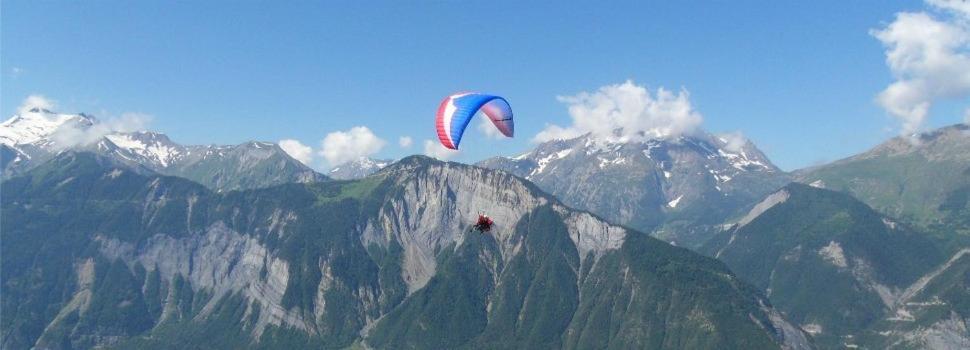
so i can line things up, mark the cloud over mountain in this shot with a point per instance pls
(71, 134)
(626, 112)
(436, 150)
(405, 141)
(342, 146)
(928, 54)
(297, 150)
(36, 102)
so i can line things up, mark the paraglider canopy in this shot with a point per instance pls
(457, 110)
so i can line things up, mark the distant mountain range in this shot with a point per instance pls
(681, 189)
(848, 273)
(923, 179)
(98, 255)
(31, 138)
(358, 168)
(130, 240)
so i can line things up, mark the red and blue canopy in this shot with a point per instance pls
(457, 110)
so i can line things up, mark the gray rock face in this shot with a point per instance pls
(221, 262)
(679, 187)
(434, 206)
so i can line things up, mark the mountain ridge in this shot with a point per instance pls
(358, 168)
(679, 189)
(316, 264)
(840, 269)
(916, 178)
(37, 135)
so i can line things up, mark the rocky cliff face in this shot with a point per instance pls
(95, 254)
(681, 188)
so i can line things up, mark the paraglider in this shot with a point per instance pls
(484, 223)
(454, 114)
(457, 110)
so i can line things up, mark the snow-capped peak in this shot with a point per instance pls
(37, 126)
(151, 146)
(358, 168)
(726, 156)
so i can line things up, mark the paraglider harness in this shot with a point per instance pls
(484, 223)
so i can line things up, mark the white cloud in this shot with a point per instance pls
(929, 56)
(958, 6)
(36, 101)
(297, 150)
(17, 71)
(71, 134)
(434, 149)
(733, 141)
(488, 129)
(405, 141)
(343, 146)
(626, 112)
(966, 116)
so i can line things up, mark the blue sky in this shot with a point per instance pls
(798, 78)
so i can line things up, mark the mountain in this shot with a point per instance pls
(932, 313)
(35, 136)
(28, 138)
(358, 168)
(96, 254)
(923, 179)
(845, 272)
(682, 188)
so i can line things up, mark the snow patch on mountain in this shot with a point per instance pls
(358, 168)
(35, 135)
(37, 126)
(163, 154)
(543, 162)
(741, 161)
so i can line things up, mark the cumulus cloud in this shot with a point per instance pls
(626, 112)
(297, 150)
(434, 149)
(343, 146)
(929, 57)
(16, 71)
(75, 134)
(405, 141)
(733, 141)
(488, 129)
(36, 101)
(959, 6)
